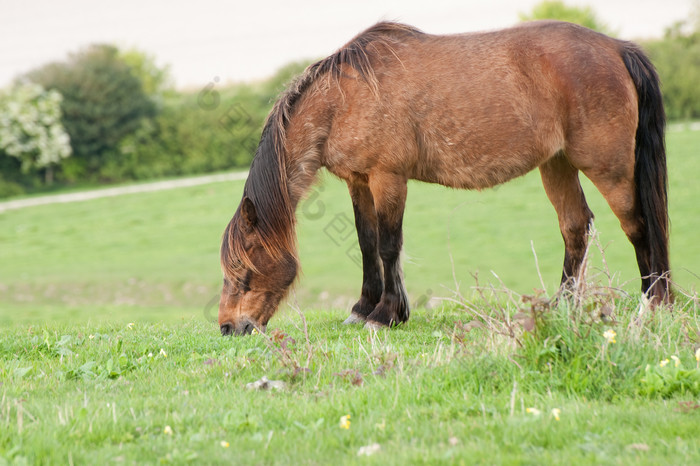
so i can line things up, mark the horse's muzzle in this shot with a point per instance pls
(245, 327)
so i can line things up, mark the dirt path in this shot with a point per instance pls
(119, 191)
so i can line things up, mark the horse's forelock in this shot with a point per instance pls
(233, 254)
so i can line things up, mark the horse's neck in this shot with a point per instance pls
(306, 135)
(302, 163)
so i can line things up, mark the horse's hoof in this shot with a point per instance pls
(354, 319)
(376, 326)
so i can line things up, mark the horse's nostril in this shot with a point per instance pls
(248, 329)
(226, 329)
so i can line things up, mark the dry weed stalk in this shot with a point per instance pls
(284, 346)
(305, 331)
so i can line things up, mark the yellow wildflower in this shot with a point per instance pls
(533, 411)
(167, 430)
(697, 354)
(163, 353)
(254, 332)
(130, 325)
(555, 413)
(676, 361)
(224, 444)
(664, 362)
(345, 422)
(610, 335)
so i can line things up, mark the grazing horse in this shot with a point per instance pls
(467, 111)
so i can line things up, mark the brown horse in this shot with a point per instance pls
(466, 111)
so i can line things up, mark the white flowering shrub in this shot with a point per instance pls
(31, 128)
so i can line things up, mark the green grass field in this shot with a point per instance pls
(425, 393)
(110, 353)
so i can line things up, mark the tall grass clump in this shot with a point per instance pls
(589, 339)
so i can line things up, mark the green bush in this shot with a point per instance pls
(189, 137)
(103, 102)
(213, 129)
(10, 188)
(677, 59)
(13, 181)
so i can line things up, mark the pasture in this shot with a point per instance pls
(110, 351)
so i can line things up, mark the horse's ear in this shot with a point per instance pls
(250, 216)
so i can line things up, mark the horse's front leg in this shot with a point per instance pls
(389, 193)
(367, 235)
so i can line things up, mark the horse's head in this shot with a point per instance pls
(256, 277)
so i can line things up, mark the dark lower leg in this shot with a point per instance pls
(575, 244)
(393, 306)
(367, 235)
(655, 284)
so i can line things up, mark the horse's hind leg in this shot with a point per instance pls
(389, 193)
(563, 188)
(620, 192)
(367, 235)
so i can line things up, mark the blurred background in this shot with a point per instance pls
(128, 93)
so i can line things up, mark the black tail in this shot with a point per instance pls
(650, 171)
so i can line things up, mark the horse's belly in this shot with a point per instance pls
(488, 148)
(478, 163)
(481, 172)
